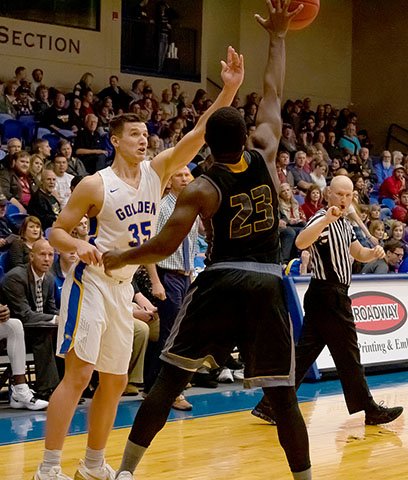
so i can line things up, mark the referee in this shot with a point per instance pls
(328, 316)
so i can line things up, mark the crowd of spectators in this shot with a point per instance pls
(36, 180)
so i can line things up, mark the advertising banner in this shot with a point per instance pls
(380, 313)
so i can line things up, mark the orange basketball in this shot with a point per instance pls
(306, 16)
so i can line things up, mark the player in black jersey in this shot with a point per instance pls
(238, 299)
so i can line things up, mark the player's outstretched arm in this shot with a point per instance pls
(268, 120)
(172, 159)
(190, 203)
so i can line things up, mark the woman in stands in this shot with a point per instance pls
(75, 115)
(19, 251)
(41, 102)
(289, 207)
(397, 232)
(319, 174)
(85, 82)
(36, 168)
(313, 201)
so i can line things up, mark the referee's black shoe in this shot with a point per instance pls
(264, 411)
(381, 414)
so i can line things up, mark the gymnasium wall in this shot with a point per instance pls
(379, 68)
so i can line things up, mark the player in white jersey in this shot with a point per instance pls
(96, 330)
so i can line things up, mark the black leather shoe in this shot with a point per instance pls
(204, 380)
(382, 414)
(264, 411)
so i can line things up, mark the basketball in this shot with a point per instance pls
(306, 16)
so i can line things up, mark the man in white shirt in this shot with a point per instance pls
(63, 180)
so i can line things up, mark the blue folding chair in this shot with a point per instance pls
(30, 127)
(11, 209)
(3, 263)
(12, 129)
(17, 219)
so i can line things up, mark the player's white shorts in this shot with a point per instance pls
(96, 319)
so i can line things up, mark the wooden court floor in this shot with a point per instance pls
(240, 447)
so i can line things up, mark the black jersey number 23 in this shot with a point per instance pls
(260, 202)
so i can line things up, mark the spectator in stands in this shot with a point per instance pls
(14, 181)
(307, 112)
(400, 211)
(56, 118)
(105, 115)
(88, 146)
(37, 76)
(14, 145)
(63, 179)
(87, 99)
(397, 232)
(85, 82)
(23, 103)
(331, 145)
(167, 106)
(288, 139)
(60, 268)
(374, 213)
(82, 229)
(7, 228)
(377, 230)
(29, 293)
(350, 140)
(367, 165)
(145, 317)
(41, 103)
(383, 168)
(20, 74)
(301, 178)
(282, 164)
(361, 188)
(119, 97)
(146, 109)
(156, 123)
(75, 166)
(154, 147)
(171, 280)
(394, 253)
(12, 330)
(313, 201)
(136, 93)
(393, 185)
(75, 118)
(7, 100)
(197, 104)
(289, 208)
(250, 114)
(43, 203)
(19, 251)
(319, 174)
(175, 92)
(397, 158)
(41, 147)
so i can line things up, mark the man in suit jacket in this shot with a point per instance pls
(29, 293)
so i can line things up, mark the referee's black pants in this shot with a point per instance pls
(329, 321)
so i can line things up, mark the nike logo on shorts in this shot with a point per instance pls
(113, 190)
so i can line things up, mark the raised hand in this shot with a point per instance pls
(279, 18)
(232, 71)
(333, 214)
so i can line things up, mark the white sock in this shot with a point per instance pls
(52, 458)
(94, 458)
(305, 475)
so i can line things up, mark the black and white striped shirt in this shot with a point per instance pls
(330, 253)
